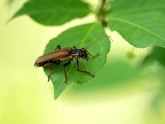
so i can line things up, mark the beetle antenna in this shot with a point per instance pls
(97, 40)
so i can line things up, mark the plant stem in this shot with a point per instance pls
(101, 13)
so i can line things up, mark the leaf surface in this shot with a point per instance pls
(141, 23)
(53, 12)
(80, 36)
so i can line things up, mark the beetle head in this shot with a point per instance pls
(83, 53)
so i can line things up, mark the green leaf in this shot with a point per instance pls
(141, 23)
(80, 36)
(53, 12)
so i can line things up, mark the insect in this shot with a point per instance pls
(65, 54)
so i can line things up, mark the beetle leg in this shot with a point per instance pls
(94, 56)
(78, 68)
(57, 62)
(58, 47)
(66, 64)
(50, 73)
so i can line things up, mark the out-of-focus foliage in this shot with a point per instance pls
(9, 2)
(156, 55)
(156, 58)
(114, 75)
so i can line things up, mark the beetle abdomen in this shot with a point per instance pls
(47, 63)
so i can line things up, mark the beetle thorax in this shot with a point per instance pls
(82, 53)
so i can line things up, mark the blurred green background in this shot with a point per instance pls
(123, 92)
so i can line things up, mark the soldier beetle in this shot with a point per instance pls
(67, 53)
